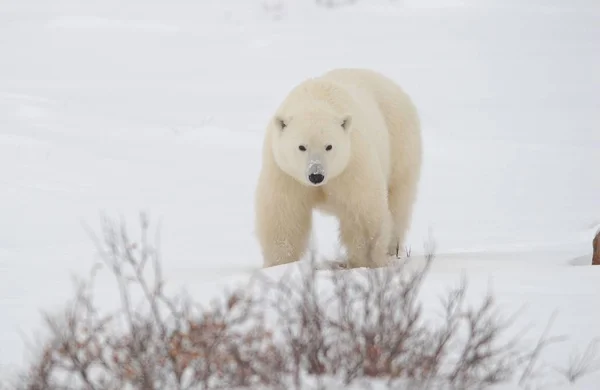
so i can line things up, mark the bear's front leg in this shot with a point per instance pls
(365, 231)
(283, 224)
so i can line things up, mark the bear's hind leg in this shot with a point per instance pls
(400, 200)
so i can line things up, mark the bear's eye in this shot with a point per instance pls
(302, 148)
(328, 148)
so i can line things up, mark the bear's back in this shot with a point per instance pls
(398, 110)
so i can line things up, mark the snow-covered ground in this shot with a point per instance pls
(117, 106)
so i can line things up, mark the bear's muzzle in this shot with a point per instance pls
(315, 172)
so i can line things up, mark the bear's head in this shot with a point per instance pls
(312, 146)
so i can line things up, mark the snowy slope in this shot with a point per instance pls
(120, 106)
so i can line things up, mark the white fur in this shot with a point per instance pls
(370, 175)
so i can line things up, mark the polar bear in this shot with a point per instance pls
(347, 143)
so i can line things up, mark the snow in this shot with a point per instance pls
(119, 106)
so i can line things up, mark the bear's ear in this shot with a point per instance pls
(280, 122)
(346, 122)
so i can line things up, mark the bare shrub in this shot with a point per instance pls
(583, 364)
(370, 325)
(309, 329)
(162, 343)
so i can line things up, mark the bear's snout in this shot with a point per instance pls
(316, 172)
(316, 178)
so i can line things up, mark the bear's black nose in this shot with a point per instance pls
(316, 178)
